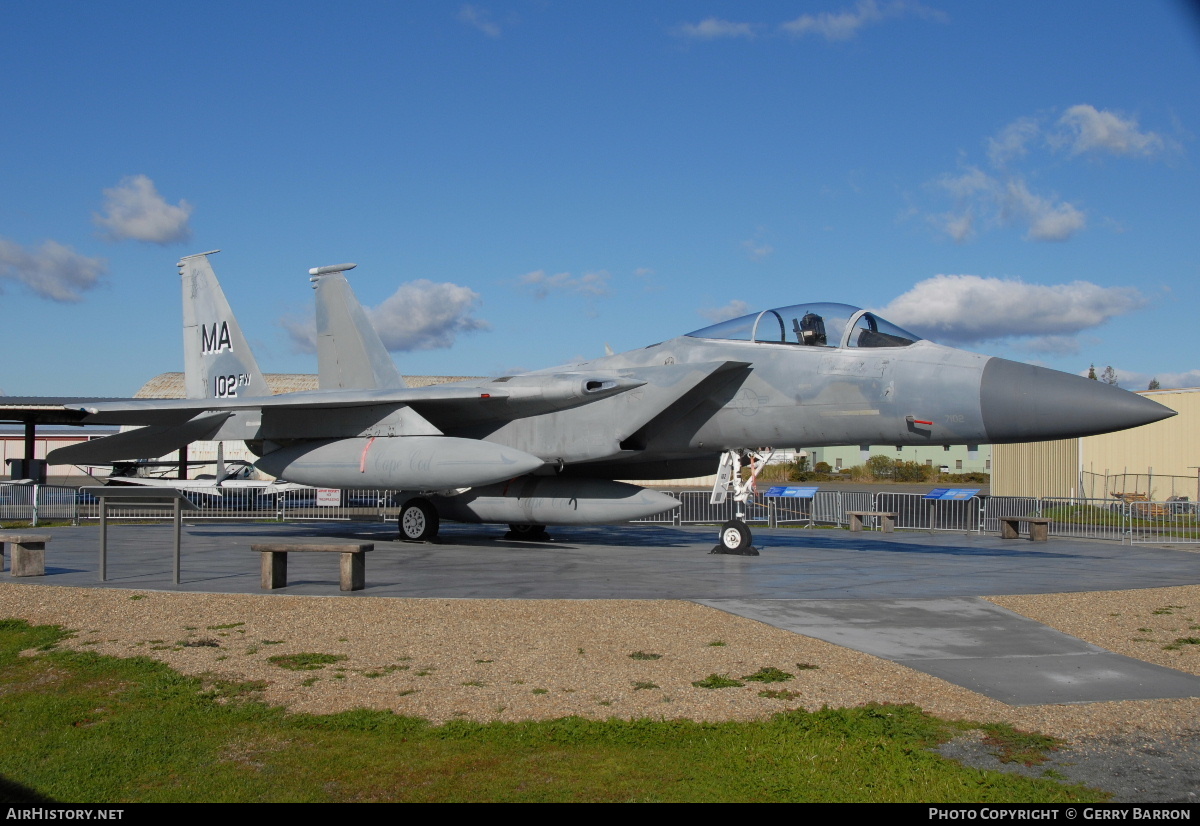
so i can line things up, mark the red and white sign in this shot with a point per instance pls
(329, 497)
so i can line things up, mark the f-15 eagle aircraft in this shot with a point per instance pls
(545, 448)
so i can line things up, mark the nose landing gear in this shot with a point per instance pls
(735, 536)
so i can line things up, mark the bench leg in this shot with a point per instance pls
(888, 524)
(855, 522)
(354, 572)
(1009, 530)
(274, 570)
(1039, 531)
(29, 559)
(2, 557)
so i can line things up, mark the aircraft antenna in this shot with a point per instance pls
(317, 272)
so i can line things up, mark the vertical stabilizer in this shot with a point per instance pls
(350, 354)
(217, 362)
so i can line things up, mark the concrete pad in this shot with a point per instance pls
(624, 562)
(975, 644)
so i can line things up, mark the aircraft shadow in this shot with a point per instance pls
(14, 793)
(871, 545)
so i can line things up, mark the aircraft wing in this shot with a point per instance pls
(680, 387)
(48, 409)
(505, 398)
(154, 440)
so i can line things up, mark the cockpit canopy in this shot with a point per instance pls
(812, 325)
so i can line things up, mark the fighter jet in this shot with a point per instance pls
(546, 447)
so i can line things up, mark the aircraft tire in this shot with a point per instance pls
(735, 536)
(419, 521)
(529, 533)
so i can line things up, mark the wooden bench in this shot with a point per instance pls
(887, 520)
(28, 553)
(274, 562)
(1039, 527)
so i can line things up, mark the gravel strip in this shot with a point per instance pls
(540, 659)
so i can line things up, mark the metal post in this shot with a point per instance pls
(103, 539)
(30, 441)
(178, 514)
(34, 506)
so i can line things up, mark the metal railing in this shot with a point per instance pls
(1170, 522)
(914, 511)
(37, 503)
(695, 509)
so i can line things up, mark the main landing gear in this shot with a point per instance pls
(735, 536)
(528, 533)
(419, 521)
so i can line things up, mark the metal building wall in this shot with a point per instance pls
(1168, 451)
(1036, 469)
(1155, 452)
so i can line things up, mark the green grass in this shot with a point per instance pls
(768, 674)
(1180, 642)
(718, 681)
(83, 728)
(304, 662)
(1014, 746)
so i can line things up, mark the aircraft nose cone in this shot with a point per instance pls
(1023, 403)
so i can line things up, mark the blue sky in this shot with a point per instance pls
(522, 182)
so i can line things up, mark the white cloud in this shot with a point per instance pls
(1132, 380)
(1052, 345)
(1012, 141)
(960, 226)
(845, 25)
(420, 315)
(479, 18)
(982, 197)
(1004, 198)
(712, 28)
(967, 184)
(963, 309)
(733, 309)
(54, 271)
(756, 248)
(1083, 128)
(1047, 220)
(591, 285)
(134, 210)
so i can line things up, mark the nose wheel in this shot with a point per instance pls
(735, 538)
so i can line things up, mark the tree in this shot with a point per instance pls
(1109, 376)
(1092, 372)
(1154, 385)
(881, 467)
